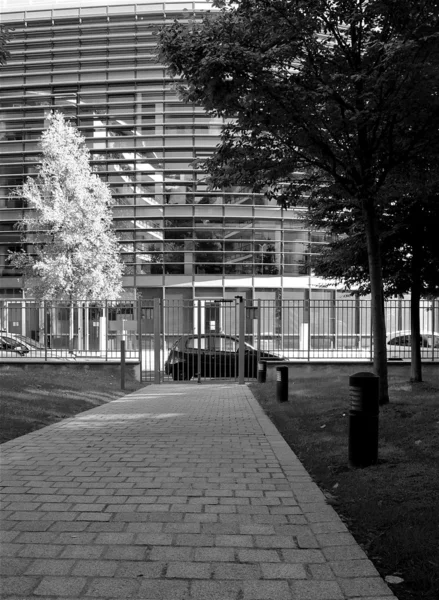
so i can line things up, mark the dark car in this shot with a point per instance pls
(214, 355)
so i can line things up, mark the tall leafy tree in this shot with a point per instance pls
(409, 229)
(326, 98)
(73, 252)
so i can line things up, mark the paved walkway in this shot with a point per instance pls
(174, 492)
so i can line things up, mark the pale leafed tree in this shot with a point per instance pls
(73, 252)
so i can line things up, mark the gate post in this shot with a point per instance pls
(139, 332)
(241, 355)
(199, 342)
(156, 340)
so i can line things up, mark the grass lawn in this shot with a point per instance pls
(391, 508)
(31, 398)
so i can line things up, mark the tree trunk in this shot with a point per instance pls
(377, 298)
(415, 300)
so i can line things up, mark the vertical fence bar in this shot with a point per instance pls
(199, 342)
(157, 306)
(139, 334)
(433, 329)
(45, 329)
(310, 321)
(241, 359)
(259, 330)
(105, 322)
(122, 364)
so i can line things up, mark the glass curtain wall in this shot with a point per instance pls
(97, 65)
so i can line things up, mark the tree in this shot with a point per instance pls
(74, 253)
(327, 99)
(409, 229)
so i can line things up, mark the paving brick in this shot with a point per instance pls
(81, 551)
(316, 590)
(13, 566)
(353, 568)
(320, 571)
(241, 541)
(256, 556)
(240, 572)
(363, 586)
(17, 585)
(283, 571)
(335, 526)
(167, 553)
(155, 589)
(266, 590)
(307, 540)
(274, 541)
(188, 539)
(62, 526)
(189, 570)
(140, 568)
(216, 590)
(38, 550)
(60, 586)
(303, 556)
(113, 587)
(335, 539)
(50, 566)
(214, 554)
(153, 539)
(125, 553)
(111, 538)
(350, 552)
(95, 568)
(142, 527)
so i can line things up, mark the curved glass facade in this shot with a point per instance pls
(95, 61)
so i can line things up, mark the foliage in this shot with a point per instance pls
(328, 100)
(73, 250)
(5, 36)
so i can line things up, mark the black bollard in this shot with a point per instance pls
(363, 419)
(282, 384)
(262, 371)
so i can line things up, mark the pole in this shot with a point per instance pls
(241, 356)
(139, 332)
(156, 340)
(122, 365)
(199, 342)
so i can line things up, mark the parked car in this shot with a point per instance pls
(399, 345)
(10, 347)
(218, 355)
(33, 349)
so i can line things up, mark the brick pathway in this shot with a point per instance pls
(174, 492)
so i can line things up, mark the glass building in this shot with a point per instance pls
(96, 62)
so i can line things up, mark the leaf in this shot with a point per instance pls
(393, 579)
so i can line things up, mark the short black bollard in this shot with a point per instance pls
(262, 371)
(282, 384)
(363, 419)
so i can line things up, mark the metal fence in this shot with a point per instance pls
(203, 336)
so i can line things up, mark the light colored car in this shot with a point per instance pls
(10, 347)
(30, 348)
(399, 345)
